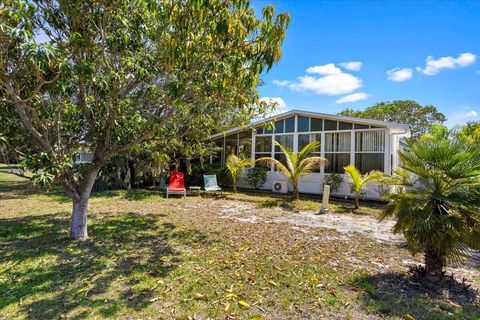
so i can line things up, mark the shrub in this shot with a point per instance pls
(256, 177)
(334, 180)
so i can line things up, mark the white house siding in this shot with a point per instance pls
(380, 142)
(313, 184)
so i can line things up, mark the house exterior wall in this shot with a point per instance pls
(376, 143)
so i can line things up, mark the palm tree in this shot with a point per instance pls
(235, 166)
(359, 182)
(437, 208)
(296, 165)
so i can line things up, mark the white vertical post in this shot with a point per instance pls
(325, 198)
(322, 151)
(253, 146)
(295, 136)
(224, 146)
(272, 150)
(238, 144)
(387, 158)
(352, 148)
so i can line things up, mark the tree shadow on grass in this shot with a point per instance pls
(50, 275)
(394, 295)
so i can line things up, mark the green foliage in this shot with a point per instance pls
(359, 182)
(419, 118)
(334, 180)
(256, 177)
(198, 170)
(160, 163)
(296, 165)
(111, 75)
(470, 133)
(235, 167)
(438, 203)
(42, 179)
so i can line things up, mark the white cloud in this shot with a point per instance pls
(327, 79)
(353, 97)
(332, 85)
(433, 66)
(465, 114)
(281, 83)
(352, 65)
(280, 104)
(399, 74)
(327, 69)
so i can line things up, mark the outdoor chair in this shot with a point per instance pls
(176, 184)
(210, 183)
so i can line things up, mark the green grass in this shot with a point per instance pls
(150, 257)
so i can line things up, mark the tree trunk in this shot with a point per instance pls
(133, 174)
(78, 227)
(434, 263)
(295, 195)
(357, 202)
(234, 187)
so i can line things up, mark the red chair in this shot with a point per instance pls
(176, 184)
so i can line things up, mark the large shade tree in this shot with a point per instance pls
(419, 118)
(105, 76)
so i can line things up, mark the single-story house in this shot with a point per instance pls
(367, 144)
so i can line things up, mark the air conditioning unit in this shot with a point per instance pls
(280, 186)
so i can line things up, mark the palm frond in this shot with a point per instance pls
(311, 164)
(271, 162)
(354, 175)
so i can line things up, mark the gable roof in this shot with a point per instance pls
(327, 116)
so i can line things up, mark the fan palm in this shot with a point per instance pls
(235, 167)
(296, 164)
(437, 208)
(359, 182)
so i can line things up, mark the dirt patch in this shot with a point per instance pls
(346, 224)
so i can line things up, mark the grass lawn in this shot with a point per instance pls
(216, 257)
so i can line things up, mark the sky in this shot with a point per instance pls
(340, 54)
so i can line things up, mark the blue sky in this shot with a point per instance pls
(424, 51)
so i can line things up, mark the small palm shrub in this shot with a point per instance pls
(235, 166)
(359, 182)
(438, 206)
(296, 164)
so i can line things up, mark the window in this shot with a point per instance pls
(279, 126)
(263, 148)
(360, 126)
(336, 162)
(337, 151)
(285, 140)
(316, 124)
(344, 126)
(267, 129)
(303, 124)
(290, 124)
(370, 141)
(337, 142)
(366, 162)
(304, 139)
(330, 125)
(263, 144)
(370, 151)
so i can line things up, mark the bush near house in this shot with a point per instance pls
(256, 177)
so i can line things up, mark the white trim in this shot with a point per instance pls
(316, 115)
